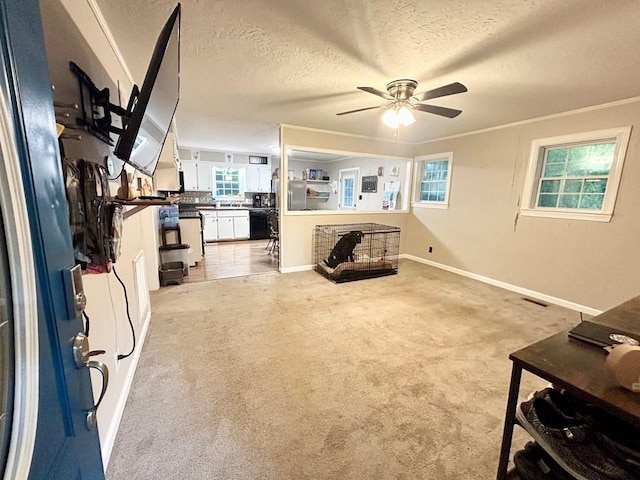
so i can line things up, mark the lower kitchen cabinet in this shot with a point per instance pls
(226, 225)
(210, 227)
(225, 228)
(241, 227)
(190, 231)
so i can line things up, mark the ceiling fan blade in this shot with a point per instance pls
(359, 110)
(450, 89)
(443, 111)
(375, 91)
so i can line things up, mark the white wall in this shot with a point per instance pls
(369, 166)
(589, 263)
(110, 329)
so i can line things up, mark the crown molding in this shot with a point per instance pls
(110, 38)
(536, 119)
(344, 134)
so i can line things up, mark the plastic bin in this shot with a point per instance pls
(169, 215)
(178, 252)
(172, 272)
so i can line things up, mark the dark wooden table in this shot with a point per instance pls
(577, 367)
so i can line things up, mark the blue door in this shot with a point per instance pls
(45, 418)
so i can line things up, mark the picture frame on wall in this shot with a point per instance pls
(381, 171)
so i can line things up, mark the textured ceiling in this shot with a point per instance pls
(249, 65)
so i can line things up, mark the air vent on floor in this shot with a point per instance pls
(537, 302)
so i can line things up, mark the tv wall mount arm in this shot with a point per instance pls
(96, 109)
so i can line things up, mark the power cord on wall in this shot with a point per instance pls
(92, 353)
(126, 302)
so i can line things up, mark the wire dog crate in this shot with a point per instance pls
(356, 251)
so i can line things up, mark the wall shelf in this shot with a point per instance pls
(140, 204)
(318, 181)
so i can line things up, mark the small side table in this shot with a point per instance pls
(577, 367)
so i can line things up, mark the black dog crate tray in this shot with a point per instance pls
(356, 251)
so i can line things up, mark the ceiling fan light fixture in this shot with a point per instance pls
(390, 119)
(398, 117)
(401, 95)
(405, 117)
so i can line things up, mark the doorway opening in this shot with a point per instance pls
(234, 259)
(221, 258)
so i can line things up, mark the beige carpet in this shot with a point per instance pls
(294, 377)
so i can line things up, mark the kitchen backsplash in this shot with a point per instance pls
(196, 197)
(188, 198)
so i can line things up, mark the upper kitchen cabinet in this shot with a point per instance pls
(258, 179)
(166, 176)
(205, 179)
(190, 174)
(197, 175)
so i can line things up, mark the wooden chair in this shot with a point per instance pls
(274, 232)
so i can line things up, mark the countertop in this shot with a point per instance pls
(189, 214)
(207, 206)
(213, 207)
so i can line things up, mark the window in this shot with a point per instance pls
(228, 182)
(575, 176)
(433, 179)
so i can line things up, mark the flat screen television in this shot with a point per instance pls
(149, 112)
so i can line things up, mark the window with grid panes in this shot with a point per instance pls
(227, 182)
(433, 179)
(576, 179)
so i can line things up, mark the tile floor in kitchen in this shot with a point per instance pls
(233, 259)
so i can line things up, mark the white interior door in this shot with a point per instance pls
(348, 188)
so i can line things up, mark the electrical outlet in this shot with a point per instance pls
(430, 249)
(116, 359)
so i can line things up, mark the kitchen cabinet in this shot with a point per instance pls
(226, 225)
(190, 231)
(241, 227)
(258, 179)
(205, 176)
(210, 227)
(190, 174)
(197, 175)
(225, 228)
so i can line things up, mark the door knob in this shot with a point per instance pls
(81, 356)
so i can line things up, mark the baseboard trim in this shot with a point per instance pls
(300, 268)
(507, 286)
(110, 438)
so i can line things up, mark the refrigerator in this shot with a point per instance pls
(296, 194)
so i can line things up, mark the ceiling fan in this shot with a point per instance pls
(402, 100)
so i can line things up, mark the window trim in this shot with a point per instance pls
(241, 181)
(417, 171)
(530, 194)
